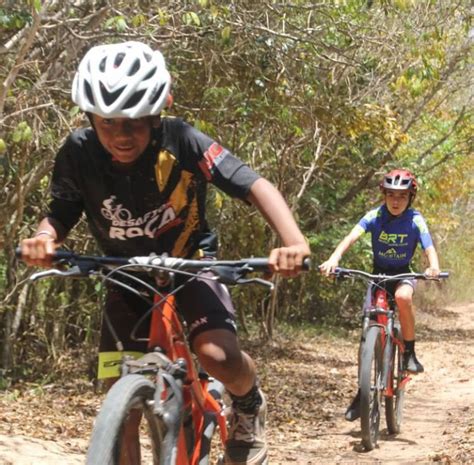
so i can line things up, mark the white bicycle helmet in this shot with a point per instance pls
(127, 80)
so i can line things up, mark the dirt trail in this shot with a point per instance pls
(438, 424)
(308, 383)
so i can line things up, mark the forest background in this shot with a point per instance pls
(319, 97)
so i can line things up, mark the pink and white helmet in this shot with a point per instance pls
(401, 180)
(126, 80)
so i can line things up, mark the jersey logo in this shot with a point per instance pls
(392, 254)
(394, 239)
(124, 226)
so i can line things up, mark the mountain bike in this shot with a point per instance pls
(178, 405)
(382, 379)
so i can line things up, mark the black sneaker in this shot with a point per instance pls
(353, 411)
(411, 363)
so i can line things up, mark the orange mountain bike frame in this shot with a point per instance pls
(166, 332)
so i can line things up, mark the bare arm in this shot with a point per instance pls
(433, 269)
(333, 261)
(273, 207)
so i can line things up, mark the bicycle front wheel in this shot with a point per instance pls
(371, 386)
(129, 399)
(394, 404)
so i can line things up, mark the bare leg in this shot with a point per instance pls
(404, 299)
(219, 353)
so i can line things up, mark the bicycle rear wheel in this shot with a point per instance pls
(371, 387)
(130, 395)
(394, 404)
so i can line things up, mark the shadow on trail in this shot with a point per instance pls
(384, 436)
(429, 334)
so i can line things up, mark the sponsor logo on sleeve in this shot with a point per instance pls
(211, 159)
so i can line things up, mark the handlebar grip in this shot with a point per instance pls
(444, 274)
(57, 255)
(307, 264)
(262, 263)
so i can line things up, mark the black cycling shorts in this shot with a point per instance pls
(203, 304)
(391, 286)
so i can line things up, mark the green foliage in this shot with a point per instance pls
(119, 23)
(22, 133)
(11, 19)
(319, 100)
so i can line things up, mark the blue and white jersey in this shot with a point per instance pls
(394, 238)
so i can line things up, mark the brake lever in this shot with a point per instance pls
(259, 281)
(231, 276)
(71, 272)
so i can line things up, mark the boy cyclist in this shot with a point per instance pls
(396, 229)
(141, 181)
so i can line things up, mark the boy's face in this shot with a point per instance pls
(396, 201)
(124, 138)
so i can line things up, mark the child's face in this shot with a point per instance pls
(124, 138)
(396, 201)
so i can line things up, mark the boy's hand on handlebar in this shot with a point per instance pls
(38, 251)
(329, 266)
(288, 261)
(432, 272)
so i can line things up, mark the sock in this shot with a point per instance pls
(248, 403)
(409, 346)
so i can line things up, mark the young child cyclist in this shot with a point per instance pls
(395, 228)
(141, 181)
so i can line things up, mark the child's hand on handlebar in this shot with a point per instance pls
(432, 272)
(38, 250)
(329, 266)
(288, 261)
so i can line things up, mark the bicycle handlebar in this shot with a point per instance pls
(348, 273)
(83, 265)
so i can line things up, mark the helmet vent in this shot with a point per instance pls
(150, 74)
(110, 97)
(134, 99)
(118, 59)
(135, 67)
(102, 64)
(88, 91)
(157, 94)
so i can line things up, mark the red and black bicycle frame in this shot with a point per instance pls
(382, 315)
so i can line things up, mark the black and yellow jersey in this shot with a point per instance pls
(158, 204)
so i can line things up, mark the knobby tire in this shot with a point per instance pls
(132, 392)
(394, 405)
(371, 386)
